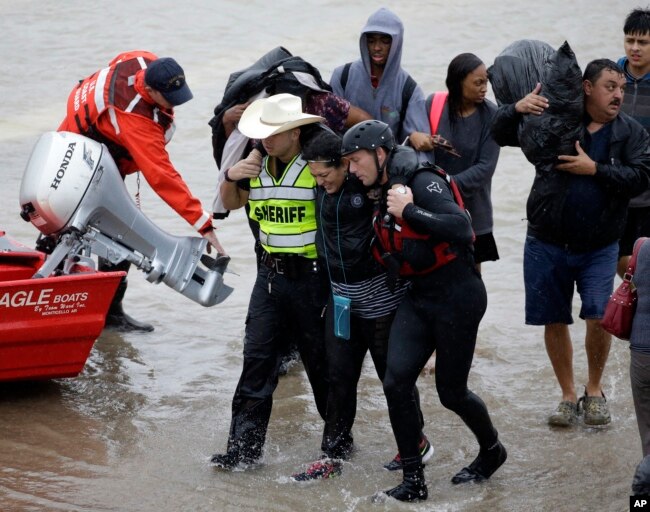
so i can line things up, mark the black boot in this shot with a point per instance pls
(232, 459)
(116, 319)
(483, 466)
(413, 486)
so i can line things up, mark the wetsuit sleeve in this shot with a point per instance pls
(504, 126)
(480, 174)
(632, 176)
(435, 211)
(145, 141)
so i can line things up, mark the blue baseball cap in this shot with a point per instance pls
(167, 77)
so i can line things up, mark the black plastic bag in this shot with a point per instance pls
(516, 72)
(542, 138)
(517, 69)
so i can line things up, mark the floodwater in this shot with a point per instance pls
(133, 433)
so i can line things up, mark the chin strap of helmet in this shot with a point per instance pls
(381, 168)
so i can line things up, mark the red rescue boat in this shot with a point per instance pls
(49, 325)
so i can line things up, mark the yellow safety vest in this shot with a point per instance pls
(285, 209)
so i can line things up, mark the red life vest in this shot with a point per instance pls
(113, 87)
(390, 236)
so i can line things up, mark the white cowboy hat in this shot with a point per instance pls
(273, 115)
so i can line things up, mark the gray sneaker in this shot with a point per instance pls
(595, 409)
(565, 415)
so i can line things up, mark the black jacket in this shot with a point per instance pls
(274, 71)
(625, 175)
(345, 232)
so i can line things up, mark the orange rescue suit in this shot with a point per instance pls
(113, 107)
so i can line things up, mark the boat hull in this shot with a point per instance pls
(48, 326)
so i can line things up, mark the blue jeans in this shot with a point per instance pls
(550, 272)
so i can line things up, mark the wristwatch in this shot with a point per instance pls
(227, 178)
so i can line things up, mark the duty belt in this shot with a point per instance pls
(291, 265)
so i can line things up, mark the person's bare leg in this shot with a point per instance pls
(597, 345)
(560, 352)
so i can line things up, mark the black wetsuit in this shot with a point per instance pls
(441, 311)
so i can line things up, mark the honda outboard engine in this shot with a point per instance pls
(72, 191)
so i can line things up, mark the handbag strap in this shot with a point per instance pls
(631, 266)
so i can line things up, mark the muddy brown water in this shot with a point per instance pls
(135, 430)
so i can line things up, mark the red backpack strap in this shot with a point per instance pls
(435, 113)
(458, 197)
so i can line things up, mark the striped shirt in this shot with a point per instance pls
(371, 297)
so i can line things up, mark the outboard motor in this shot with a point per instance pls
(72, 191)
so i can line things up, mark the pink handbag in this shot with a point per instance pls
(621, 307)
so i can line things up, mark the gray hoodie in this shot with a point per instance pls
(385, 102)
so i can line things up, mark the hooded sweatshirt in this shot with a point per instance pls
(384, 102)
(636, 103)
